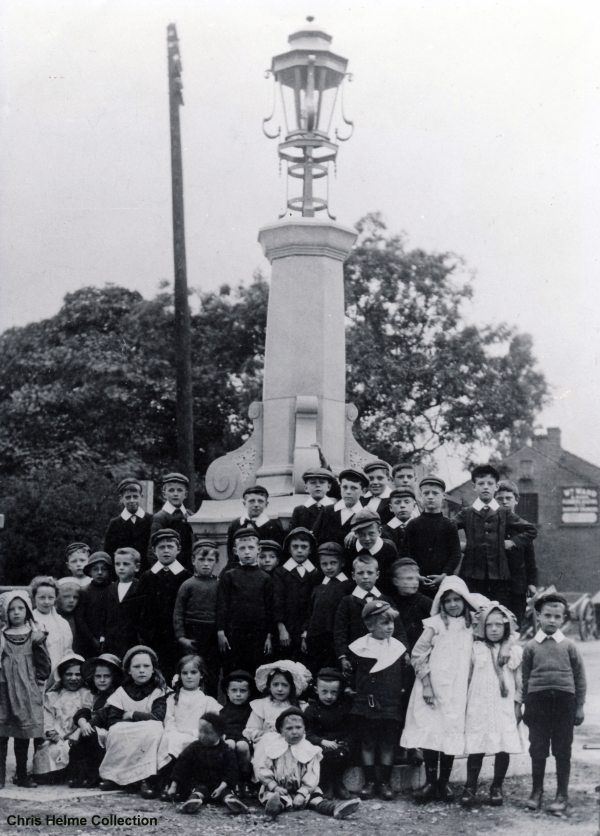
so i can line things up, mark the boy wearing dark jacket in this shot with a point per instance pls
(132, 528)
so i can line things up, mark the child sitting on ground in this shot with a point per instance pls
(435, 720)
(553, 695)
(235, 714)
(206, 770)
(65, 695)
(195, 613)
(24, 667)
(135, 715)
(378, 663)
(185, 707)
(77, 556)
(328, 726)
(493, 701)
(103, 676)
(59, 638)
(288, 770)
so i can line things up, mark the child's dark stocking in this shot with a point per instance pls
(563, 772)
(429, 791)
(3, 751)
(501, 762)
(538, 768)
(474, 764)
(446, 763)
(21, 751)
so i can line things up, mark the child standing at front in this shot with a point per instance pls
(553, 695)
(324, 602)
(24, 667)
(195, 613)
(377, 662)
(245, 607)
(293, 583)
(103, 676)
(158, 592)
(65, 695)
(493, 701)
(135, 715)
(185, 707)
(435, 720)
(59, 638)
(235, 715)
(288, 770)
(328, 726)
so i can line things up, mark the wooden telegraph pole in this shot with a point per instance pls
(183, 349)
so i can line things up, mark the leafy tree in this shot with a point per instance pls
(418, 373)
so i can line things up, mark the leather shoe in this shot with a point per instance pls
(26, 781)
(559, 805)
(496, 796)
(445, 794)
(534, 802)
(340, 791)
(148, 790)
(467, 798)
(386, 793)
(426, 793)
(367, 792)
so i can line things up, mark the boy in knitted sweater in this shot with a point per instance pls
(553, 694)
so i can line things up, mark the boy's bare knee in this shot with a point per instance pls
(242, 747)
(232, 744)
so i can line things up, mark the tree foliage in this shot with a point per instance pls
(420, 375)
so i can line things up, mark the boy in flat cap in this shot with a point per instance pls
(270, 555)
(195, 614)
(245, 607)
(333, 522)
(255, 500)
(324, 601)
(318, 482)
(377, 498)
(491, 532)
(91, 611)
(133, 525)
(366, 525)
(521, 560)
(123, 604)
(158, 590)
(432, 539)
(402, 506)
(174, 515)
(293, 583)
(328, 726)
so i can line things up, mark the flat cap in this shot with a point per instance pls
(375, 608)
(76, 547)
(399, 493)
(355, 474)
(271, 545)
(318, 473)
(377, 464)
(433, 480)
(364, 517)
(256, 489)
(97, 557)
(204, 541)
(330, 675)
(300, 532)
(245, 531)
(165, 534)
(129, 482)
(176, 477)
(331, 548)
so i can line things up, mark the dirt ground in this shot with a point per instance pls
(377, 817)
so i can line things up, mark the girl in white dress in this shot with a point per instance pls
(494, 693)
(135, 714)
(59, 636)
(435, 719)
(185, 707)
(281, 684)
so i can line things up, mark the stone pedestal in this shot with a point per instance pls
(303, 406)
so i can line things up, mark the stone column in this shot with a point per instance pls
(305, 358)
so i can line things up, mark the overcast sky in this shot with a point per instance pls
(477, 131)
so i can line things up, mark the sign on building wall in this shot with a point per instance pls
(580, 506)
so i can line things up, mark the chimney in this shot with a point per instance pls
(554, 439)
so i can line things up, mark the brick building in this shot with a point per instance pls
(559, 493)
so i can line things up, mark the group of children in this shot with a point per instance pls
(410, 645)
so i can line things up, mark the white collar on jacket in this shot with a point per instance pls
(258, 522)
(327, 500)
(339, 577)
(478, 505)
(375, 548)
(174, 567)
(302, 568)
(275, 746)
(170, 509)
(362, 593)
(558, 637)
(127, 516)
(384, 651)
